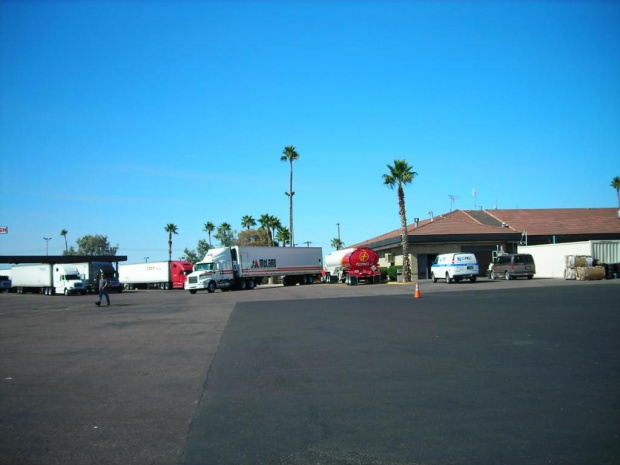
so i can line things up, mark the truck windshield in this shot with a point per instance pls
(204, 266)
(72, 277)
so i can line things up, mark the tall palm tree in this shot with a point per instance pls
(247, 222)
(283, 235)
(401, 174)
(209, 228)
(615, 183)
(337, 243)
(290, 155)
(171, 229)
(64, 233)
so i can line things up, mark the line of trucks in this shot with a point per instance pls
(226, 268)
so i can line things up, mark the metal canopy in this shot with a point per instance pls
(53, 259)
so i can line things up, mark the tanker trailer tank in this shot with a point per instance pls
(352, 265)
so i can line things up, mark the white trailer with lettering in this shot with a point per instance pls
(242, 267)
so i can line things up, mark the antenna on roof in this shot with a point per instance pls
(474, 192)
(452, 200)
(430, 212)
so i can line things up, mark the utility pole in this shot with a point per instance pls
(338, 248)
(308, 243)
(146, 259)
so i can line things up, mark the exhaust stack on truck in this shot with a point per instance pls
(352, 265)
(242, 267)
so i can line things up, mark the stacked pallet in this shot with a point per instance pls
(582, 268)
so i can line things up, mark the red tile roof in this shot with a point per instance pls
(458, 222)
(542, 222)
(561, 221)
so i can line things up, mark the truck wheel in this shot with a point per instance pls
(66, 291)
(492, 275)
(192, 291)
(433, 277)
(507, 276)
(251, 284)
(242, 285)
(473, 279)
(211, 287)
(448, 279)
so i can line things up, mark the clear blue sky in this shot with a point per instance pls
(117, 118)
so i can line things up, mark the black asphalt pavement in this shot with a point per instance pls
(524, 372)
(486, 377)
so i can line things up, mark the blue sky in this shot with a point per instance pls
(118, 118)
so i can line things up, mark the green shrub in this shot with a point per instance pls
(391, 271)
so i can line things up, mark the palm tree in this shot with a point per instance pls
(265, 223)
(615, 183)
(401, 174)
(64, 233)
(290, 155)
(247, 222)
(171, 229)
(337, 243)
(283, 235)
(270, 223)
(274, 223)
(209, 228)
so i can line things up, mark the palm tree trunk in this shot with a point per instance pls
(404, 236)
(170, 247)
(291, 208)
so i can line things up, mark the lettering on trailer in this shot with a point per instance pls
(264, 263)
(4, 229)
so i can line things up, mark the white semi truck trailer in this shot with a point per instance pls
(155, 275)
(242, 267)
(47, 279)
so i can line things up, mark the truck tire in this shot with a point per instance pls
(192, 291)
(251, 284)
(448, 279)
(507, 276)
(211, 287)
(66, 291)
(433, 278)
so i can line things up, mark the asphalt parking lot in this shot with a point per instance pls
(492, 372)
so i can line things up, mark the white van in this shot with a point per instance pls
(454, 267)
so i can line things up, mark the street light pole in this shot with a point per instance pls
(47, 243)
(338, 224)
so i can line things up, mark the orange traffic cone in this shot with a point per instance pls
(418, 294)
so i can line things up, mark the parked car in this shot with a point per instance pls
(454, 267)
(512, 266)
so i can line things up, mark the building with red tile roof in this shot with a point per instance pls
(483, 231)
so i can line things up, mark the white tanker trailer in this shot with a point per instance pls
(352, 265)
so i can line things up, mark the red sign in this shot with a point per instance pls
(4, 229)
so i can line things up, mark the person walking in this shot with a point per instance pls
(104, 284)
